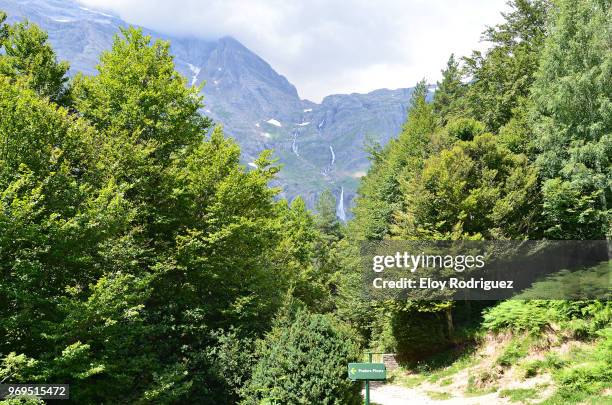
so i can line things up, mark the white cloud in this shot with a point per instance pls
(329, 46)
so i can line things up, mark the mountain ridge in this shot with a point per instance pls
(320, 145)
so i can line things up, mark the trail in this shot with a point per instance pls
(389, 394)
(386, 394)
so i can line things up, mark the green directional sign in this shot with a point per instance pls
(367, 371)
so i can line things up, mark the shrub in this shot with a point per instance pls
(590, 378)
(516, 349)
(579, 328)
(482, 381)
(586, 375)
(305, 362)
(22, 401)
(531, 368)
(518, 316)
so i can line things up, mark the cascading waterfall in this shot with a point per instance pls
(340, 210)
(331, 149)
(196, 71)
(294, 147)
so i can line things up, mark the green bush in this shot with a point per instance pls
(516, 349)
(22, 401)
(483, 381)
(587, 378)
(586, 375)
(582, 319)
(304, 361)
(518, 316)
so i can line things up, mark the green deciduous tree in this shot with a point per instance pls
(573, 121)
(475, 189)
(130, 237)
(26, 55)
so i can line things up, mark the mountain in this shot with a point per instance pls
(319, 145)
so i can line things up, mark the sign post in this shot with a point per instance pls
(367, 383)
(367, 372)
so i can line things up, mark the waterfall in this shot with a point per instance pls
(340, 210)
(294, 147)
(331, 149)
(196, 71)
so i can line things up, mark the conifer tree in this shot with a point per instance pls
(502, 76)
(448, 91)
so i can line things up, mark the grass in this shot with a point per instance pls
(584, 374)
(447, 363)
(445, 382)
(400, 377)
(519, 394)
(438, 395)
(516, 349)
(550, 363)
(472, 391)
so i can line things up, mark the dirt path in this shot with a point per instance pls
(388, 394)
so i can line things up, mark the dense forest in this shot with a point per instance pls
(141, 262)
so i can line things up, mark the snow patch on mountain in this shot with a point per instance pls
(96, 12)
(308, 110)
(274, 122)
(303, 124)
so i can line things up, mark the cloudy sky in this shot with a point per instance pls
(329, 46)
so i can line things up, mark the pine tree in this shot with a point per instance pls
(379, 194)
(503, 76)
(326, 218)
(448, 91)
